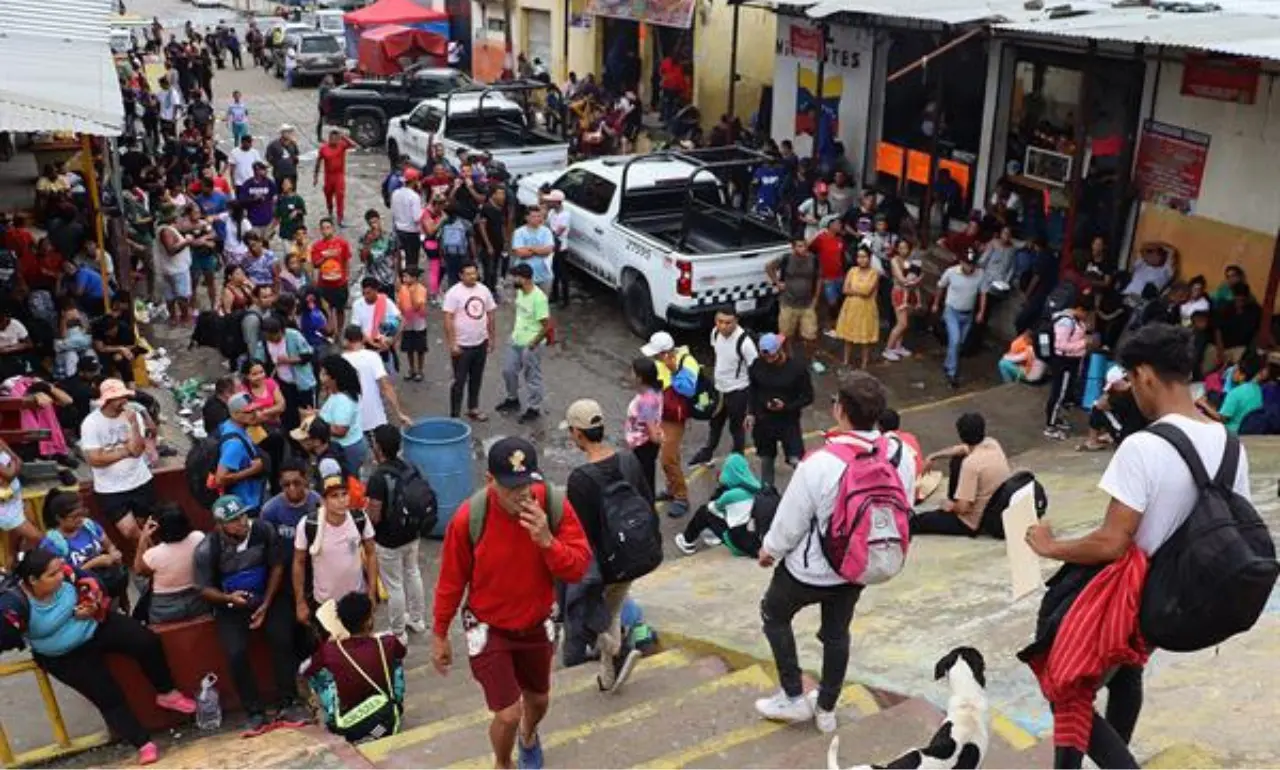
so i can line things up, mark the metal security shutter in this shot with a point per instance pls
(537, 26)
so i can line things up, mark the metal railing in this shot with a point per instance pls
(63, 743)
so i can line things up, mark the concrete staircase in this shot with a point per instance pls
(681, 708)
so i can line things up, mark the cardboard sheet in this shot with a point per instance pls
(1024, 565)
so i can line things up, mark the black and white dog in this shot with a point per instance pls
(961, 740)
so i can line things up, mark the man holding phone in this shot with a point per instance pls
(780, 390)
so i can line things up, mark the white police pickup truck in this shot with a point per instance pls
(486, 121)
(660, 230)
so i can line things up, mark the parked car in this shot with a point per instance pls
(366, 105)
(319, 54)
(486, 122)
(661, 230)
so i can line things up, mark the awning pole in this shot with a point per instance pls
(926, 208)
(822, 74)
(923, 61)
(95, 210)
(1269, 302)
(1075, 186)
(733, 60)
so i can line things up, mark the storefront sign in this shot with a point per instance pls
(798, 112)
(799, 41)
(1171, 163)
(806, 42)
(1224, 78)
(667, 13)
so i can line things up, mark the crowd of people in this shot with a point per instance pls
(316, 513)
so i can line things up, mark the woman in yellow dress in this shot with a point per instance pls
(859, 321)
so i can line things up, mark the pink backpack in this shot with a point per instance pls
(867, 539)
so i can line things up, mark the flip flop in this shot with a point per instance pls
(1092, 447)
(477, 416)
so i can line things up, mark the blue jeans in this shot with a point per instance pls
(958, 325)
(1009, 371)
(356, 454)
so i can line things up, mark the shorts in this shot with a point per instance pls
(12, 513)
(413, 342)
(833, 290)
(513, 662)
(175, 286)
(335, 296)
(204, 263)
(802, 319)
(905, 299)
(139, 501)
(769, 433)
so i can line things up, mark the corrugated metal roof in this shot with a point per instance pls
(1238, 32)
(941, 11)
(58, 72)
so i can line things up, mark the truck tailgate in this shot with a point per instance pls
(527, 160)
(738, 277)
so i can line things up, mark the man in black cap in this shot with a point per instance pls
(504, 549)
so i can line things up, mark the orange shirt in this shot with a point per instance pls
(331, 257)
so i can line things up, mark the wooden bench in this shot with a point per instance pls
(193, 650)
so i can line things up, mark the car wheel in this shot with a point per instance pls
(637, 307)
(393, 152)
(366, 130)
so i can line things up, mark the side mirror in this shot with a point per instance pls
(404, 123)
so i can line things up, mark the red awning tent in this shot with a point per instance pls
(382, 48)
(405, 12)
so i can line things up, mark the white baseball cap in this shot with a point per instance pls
(1114, 374)
(660, 342)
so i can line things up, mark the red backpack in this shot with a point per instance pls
(868, 536)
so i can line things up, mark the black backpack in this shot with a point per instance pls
(1212, 578)
(749, 537)
(411, 509)
(15, 610)
(742, 341)
(311, 526)
(1060, 298)
(231, 342)
(707, 401)
(630, 544)
(993, 514)
(202, 463)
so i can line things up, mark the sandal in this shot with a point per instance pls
(1092, 446)
(477, 416)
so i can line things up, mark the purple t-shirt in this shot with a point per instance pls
(259, 198)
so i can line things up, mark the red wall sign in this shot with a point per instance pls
(1171, 163)
(806, 42)
(1224, 78)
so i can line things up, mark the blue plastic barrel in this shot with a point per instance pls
(440, 448)
(1094, 379)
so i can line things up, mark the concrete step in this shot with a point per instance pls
(761, 738)
(875, 739)
(462, 732)
(678, 717)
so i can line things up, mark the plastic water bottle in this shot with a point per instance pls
(208, 707)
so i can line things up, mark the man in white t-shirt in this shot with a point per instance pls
(469, 331)
(735, 352)
(112, 441)
(15, 342)
(558, 220)
(242, 159)
(1152, 493)
(375, 385)
(377, 314)
(1155, 266)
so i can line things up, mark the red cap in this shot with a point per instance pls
(412, 175)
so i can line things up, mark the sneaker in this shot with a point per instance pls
(416, 626)
(176, 701)
(830, 334)
(903, 352)
(149, 754)
(1055, 433)
(1063, 425)
(530, 415)
(664, 496)
(953, 383)
(711, 540)
(508, 405)
(254, 725)
(825, 720)
(781, 707)
(702, 457)
(529, 757)
(678, 509)
(623, 664)
(890, 355)
(292, 714)
(685, 547)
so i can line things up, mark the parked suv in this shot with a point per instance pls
(319, 54)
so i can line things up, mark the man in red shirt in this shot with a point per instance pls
(331, 257)
(332, 157)
(828, 246)
(506, 563)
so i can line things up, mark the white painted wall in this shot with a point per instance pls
(849, 57)
(1240, 182)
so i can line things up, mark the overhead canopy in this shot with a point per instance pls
(382, 48)
(393, 12)
(58, 72)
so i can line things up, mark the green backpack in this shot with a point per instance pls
(376, 716)
(478, 510)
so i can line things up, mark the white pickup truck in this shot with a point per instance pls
(660, 230)
(479, 121)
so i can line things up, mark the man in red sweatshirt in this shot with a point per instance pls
(504, 548)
